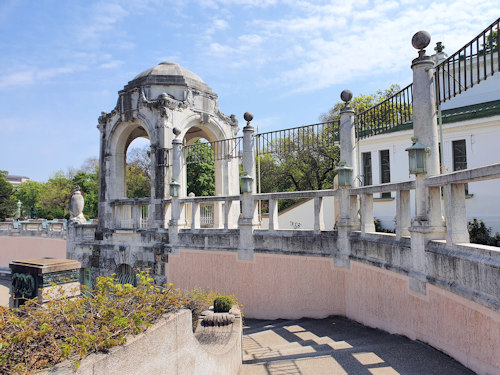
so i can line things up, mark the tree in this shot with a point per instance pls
(306, 160)
(7, 201)
(90, 165)
(360, 103)
(201, 170)
(138, 183)
(140, 157)
(54, 199)
(138, 172)
(29, 193)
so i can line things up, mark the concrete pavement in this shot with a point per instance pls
(336, 346)
(4, 292)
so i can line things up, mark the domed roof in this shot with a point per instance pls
(168, 74)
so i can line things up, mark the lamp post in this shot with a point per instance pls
(19, 204)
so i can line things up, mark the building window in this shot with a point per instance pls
(367, 168)
(459, 155)
(460, 158)
(385, 171)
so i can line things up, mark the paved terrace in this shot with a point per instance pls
(336, 346)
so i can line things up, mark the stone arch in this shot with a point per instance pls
(211, 131)
(226, 169)
(121, 136)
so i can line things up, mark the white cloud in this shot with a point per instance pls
(315, 45)
(111, 64)
(217, 25)
(32, 75)
(102, 20)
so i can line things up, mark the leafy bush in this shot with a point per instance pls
(33, 338)
(49, 217)
(379, 228)
(223, 304)
(481, 234)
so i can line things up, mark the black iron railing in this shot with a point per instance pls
(314, 136)
(471, 64)
(391, 113)
(208, 152)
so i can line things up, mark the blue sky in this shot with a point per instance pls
(63, 62)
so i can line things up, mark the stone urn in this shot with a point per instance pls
(76, 205)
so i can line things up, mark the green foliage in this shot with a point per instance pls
(8, 204)
(138, 172)
(138, 183)
(49, 217)
(201, 174)
(360, 103)
(491, 44)
(223, 304)
(29, 193)
(380, 228)
(481, 234)
(33, 338)
(54, 198)
(309, 166)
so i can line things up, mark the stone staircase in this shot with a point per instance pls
(336, 346)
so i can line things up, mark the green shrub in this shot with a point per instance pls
(21, 218)
(49, 217)
(223, 304)
(33, 338)
(481, 234)
(379, 228)
(87, 217)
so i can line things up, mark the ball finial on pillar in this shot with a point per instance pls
(346, 96)
(248, 116)
(420, 40)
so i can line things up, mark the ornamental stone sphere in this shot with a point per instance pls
(346, 95)
(421, 39)
(248, 116)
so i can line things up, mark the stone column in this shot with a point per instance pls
(427, 224)
(349, 220)
(456, 215)
(175, 211)
(248, 206)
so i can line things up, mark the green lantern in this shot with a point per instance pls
(345, 174)
(246, 183)
(417, 157)
(174, 188)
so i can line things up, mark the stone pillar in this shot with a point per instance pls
(248, 206)
(45, 279)
(427, 224)
(456, 215)
(367, 221)
(403, 213)
(349, 220)
(175, 211)
(319, 223)
(348, 152)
